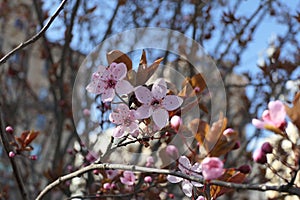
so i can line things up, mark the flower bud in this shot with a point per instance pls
(176, 122)
(106, 186)
(86, 112)
(259, 156)
(245, 169)
(172, 151)
(267, 148)
(148, 179)
(11, 154)
(33, 157)
(150, 161)
(9, 129)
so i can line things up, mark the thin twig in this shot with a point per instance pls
(7, 148)
(36, 36)
(105, 166)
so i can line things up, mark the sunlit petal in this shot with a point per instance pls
(172, 102)
(160, 117)
(143, 95)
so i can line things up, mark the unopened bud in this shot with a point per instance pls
(106, 186)
(9, 129)
(259, 156)
(176, 122)
(148, 179)
(11, 154)
(33, 157)
(172, 151)
(237, 145)
(267, 147)
(245, 169)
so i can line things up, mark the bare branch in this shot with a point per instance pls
(36, 36)
(7, 148)
(105, 166)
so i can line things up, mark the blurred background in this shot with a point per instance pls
(255, 45)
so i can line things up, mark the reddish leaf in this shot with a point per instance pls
(294, 111)
(30, 137)
(119, 57)
(230, 175)
(144, 73)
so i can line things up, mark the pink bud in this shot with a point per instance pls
(11, 154)
(69, 168)
(171, 196)
(172, 151)
(96, 171)
(176, 122)
(267, 148)
(212, 168)
(70, 151)
(86, 112)
(106, 186)
(197, 89)
(148, 179)
(9, 129)
(200, 198)
(259, 156)
(245, 169)
(33, 157)
(228, 132)
(91, 156)
(150, 161)
(113, 186)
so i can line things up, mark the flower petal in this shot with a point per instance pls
(160, 117)
(277, 112)
(118, 70)
(174, 179)
(143, 95)
(123, 87)
(258, 124)
(143, 112)
(172, 102)
(185, 164)
(108, 95)
(116, 118)
(159, 89)
(119, 131)
(187, 188)
(132, 127)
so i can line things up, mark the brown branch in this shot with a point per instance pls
(104, 166)
(36, 36)
(7, 148)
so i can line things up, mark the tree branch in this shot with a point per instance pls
(7, 148)
(36, 36)
(104, 166)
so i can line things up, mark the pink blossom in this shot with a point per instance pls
(108, 80)
(275, 116)
(128, 178)
(186, 168)
(212, 168)
(156, 103)
(125, 119)
(33, 157)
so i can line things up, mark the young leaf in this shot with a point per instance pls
(119, 57)
(230, 175)
(144, 72)
(294, 112)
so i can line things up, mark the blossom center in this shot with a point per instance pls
(111, 83)
(155, 103)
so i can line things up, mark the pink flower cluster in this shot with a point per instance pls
(211, 168)
(155, 103)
